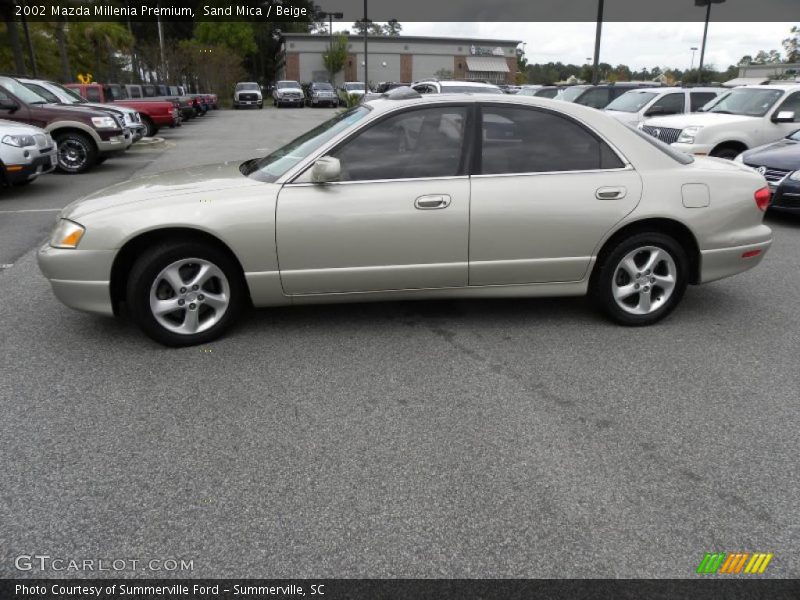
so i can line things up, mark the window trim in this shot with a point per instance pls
(464, 161)
(476, 166)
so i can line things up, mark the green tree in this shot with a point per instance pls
(392, 28)
(238, 36)
(336, 56)
(791, 45)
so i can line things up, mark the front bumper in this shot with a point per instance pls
(698, 149)
(786, 197)
(238, 102)
(114, 142)
(26, 169)
(725, 262)
(291, 100)
(79, 278)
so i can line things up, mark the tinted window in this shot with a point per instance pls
(671, 104)
(700, 99)
(46, 94)
(93, 94)
(792, 103)
(420, 143)
(519, 140)
(594, 97)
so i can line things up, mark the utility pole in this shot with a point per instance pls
(366, 58)
(707, 4)
(161, 47)
(598, 34)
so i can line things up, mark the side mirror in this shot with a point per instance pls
(784, 116)
(326, 169)
(8, 104)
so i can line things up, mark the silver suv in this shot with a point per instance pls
(25, 153)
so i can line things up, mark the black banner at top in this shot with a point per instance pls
(407, 10)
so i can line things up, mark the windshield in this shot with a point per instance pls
(631, 101)
(63, 94)
(46, 94)
(569, 94)
(470, 89)
(354, 86)
(246, 86)
(269, 168)
(322, 86)
(21, 92)
(744, 101)
(287, 84)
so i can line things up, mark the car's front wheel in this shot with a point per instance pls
(641, 280)
(185, 293)
(76, 152)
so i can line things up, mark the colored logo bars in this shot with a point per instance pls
(733, 563)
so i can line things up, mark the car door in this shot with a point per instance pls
(398, 218)
(545, 191)
(790, 104)
(669, 104)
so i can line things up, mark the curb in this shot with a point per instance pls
(149, 142)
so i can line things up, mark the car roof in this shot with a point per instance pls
(781, 87)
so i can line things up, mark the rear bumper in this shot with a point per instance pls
(725, 262)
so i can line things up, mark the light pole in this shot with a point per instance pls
(707, 4)
(366, 59)
(691, 64)
(331, 16)
(598, 33)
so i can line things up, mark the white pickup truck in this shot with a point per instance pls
(744, 117)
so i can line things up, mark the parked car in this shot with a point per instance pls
(25, 153)
(350, 88)
(566, 202)
(84, 136)
(321, 93)
(385, 86)
(540, 91)
(247, 93)
(741, 118)
(779, 163)
(288, 93)
(155, 113)
(436, 86)
(634, 106)
(597, 96)
(53, 92)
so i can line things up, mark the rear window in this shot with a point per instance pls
(681, 157)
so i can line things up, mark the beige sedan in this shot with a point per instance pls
(410, 197)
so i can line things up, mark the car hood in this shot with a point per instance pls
(117, 108)
(625, 117)
(76, 109)
(698, 120)
(170, 185)
(6, 127)
(783, 155)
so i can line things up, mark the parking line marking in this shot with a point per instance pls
(30, 210)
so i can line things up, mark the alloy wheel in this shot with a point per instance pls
(189, 296)
(644, 280)
(72, 154)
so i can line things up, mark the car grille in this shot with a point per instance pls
(667, 135)
(248, 96)
(774, 176)
(292, 95)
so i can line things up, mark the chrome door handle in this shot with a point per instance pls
(432, 202)
(610, 193)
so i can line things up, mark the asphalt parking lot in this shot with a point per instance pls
(504, 438)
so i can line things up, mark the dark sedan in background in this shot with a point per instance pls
(779, 163)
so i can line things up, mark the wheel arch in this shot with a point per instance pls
(133, 248)
(675, 229)
(74, 127)
(737, 145)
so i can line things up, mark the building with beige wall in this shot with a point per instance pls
(402, 58)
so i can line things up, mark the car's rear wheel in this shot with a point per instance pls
(185, 293)
(641, 280)
(76, 152)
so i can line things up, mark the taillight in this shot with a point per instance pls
(762, 198)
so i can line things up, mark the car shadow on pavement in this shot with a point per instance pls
(783, 218)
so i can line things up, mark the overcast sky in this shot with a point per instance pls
(637, 45)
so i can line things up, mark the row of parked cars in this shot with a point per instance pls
(46, 126)
(293, 93)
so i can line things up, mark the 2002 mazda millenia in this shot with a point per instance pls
(410, 197)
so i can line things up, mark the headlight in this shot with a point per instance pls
(104, 122)
(795, 176)
(67, 234)
(688, 135)
(20, 141)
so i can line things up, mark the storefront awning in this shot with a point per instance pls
(487, 64)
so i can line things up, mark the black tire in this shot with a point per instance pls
(726, 153)
(151, 263)
(76, 152)
(609, 274)
(150, 128)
